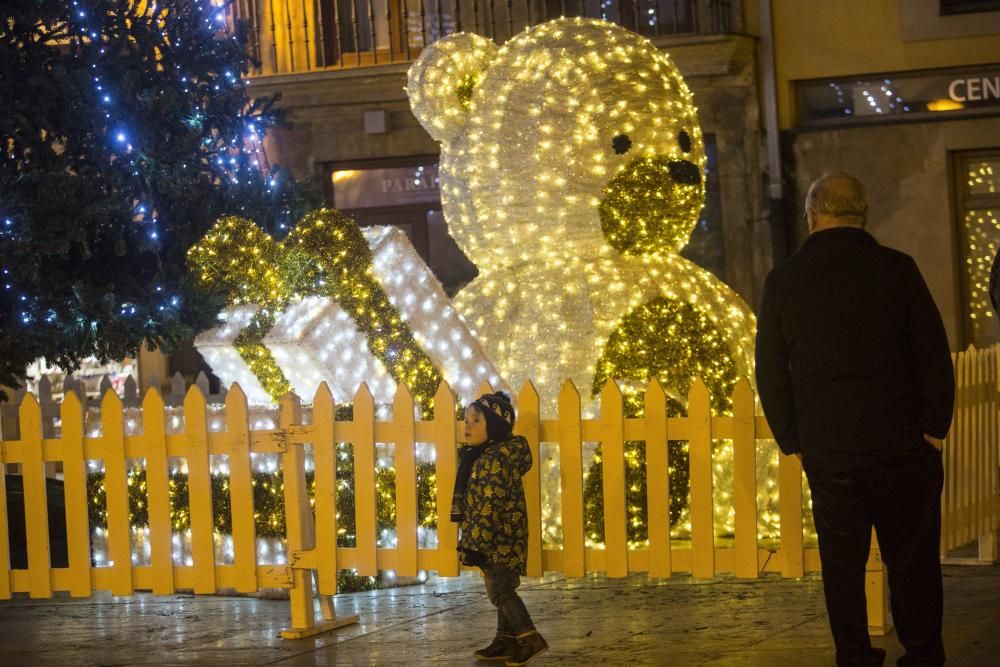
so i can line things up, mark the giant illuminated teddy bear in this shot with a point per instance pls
(572, 173)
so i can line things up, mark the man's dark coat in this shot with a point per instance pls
(852, 357)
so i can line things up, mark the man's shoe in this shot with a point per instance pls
(873, 657)
(529, 645)
(502, 648)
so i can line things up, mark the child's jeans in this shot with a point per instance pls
(501, 589)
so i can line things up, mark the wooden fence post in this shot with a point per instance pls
(612, 421)
(200, 491)
(36, 513)
(116, 489)
(404, 437)
(745, 479)
(365, 515)
(5, 576)
(154, 437)
(241, 491)
(300, 528)
(529, 425)
(876, 592)
(790, 511)
(571, 476)
(325, 467)
(658, 481)
(700, 452)
(445, 465)
(298, 515)
(75, 494)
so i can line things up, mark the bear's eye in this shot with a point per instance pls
(684, 141)
(621, 144)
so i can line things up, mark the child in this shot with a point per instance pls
(489, 506)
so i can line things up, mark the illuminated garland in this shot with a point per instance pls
(269, 504)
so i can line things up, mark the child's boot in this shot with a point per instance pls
(502, 648)
(529, 645)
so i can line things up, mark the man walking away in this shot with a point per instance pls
(855, 378)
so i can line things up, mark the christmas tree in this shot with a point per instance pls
(127, 131)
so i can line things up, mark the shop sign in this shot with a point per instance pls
(391, 186)
(900, 96)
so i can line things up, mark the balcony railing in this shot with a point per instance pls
(301, 35)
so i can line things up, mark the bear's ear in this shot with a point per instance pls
(441, 82)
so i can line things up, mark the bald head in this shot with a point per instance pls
(836, 199)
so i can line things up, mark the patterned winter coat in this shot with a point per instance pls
(495, 519)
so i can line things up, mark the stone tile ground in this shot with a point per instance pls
(587, 621)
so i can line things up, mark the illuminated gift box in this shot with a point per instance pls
(314, 340)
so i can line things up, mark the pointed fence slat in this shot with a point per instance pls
(158, 493)
(131, 393)
(445, 466)
(200, 491)
(964, 464)
(790, 511)
(365, 517)
(5, 575)
(75, 493)
(298, 515)
(949, 494)
(36, 514)
(241, 491)
(613, 447)
(968, 523)
(116, 490)
(325, 466)
(528, 424)
(993, 436)
(745, 479)
(571, 476)
(700, 453)
(406, 482)
(979, 459)
(658, 481)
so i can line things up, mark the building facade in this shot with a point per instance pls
(904, 94)
(341, 70)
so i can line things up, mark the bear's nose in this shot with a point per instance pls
(684, 172)
(652, 205)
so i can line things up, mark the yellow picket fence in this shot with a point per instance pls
(970, 504)
(312, 542)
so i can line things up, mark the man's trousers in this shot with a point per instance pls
(901, 497)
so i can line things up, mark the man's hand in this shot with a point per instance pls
(937, 442)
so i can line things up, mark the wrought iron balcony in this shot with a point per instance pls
(289, 36)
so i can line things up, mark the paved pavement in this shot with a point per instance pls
(587, 621)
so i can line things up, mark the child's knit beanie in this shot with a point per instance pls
(499, 414)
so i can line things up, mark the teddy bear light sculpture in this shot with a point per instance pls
(572, 173)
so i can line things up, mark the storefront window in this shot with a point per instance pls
(951, 7)
(901, 96)
(979, 189)
(407, 197)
